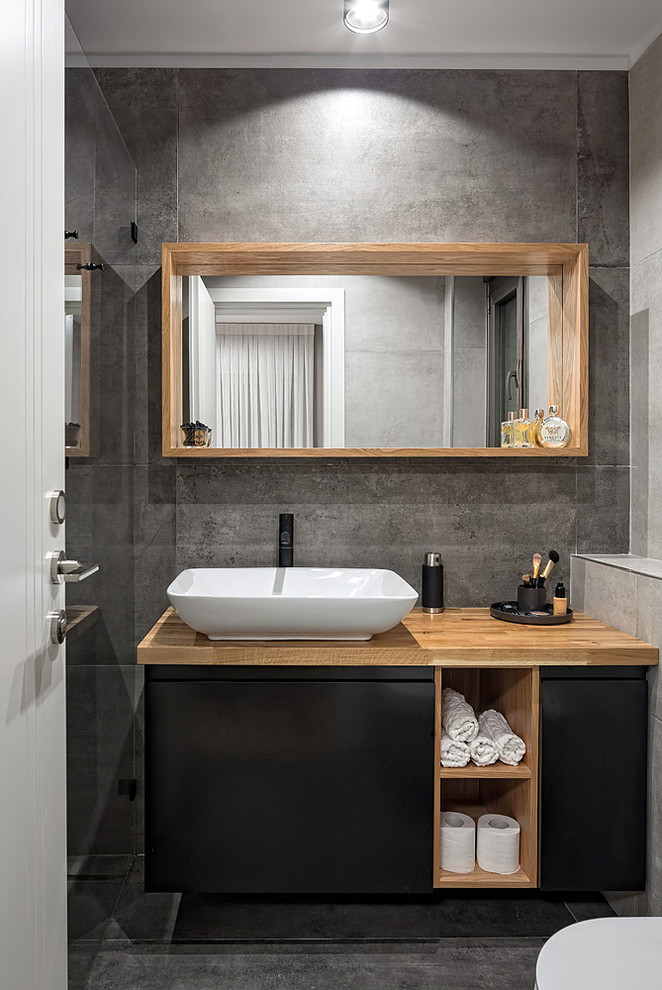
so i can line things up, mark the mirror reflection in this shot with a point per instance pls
(73, 298)
(361, 361)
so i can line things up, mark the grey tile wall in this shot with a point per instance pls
(380, 155)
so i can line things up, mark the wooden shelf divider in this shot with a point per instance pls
(497, 771)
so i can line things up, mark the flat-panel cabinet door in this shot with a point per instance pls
(300, 787)
(593, 784)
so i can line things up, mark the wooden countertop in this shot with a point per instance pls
(458, 637)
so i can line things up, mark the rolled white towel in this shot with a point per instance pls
(511, 747)
(453, 754)
(483, 750)
(457, 716)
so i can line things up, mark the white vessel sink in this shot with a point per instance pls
(290, 602)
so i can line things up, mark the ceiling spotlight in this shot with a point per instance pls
(365, 16)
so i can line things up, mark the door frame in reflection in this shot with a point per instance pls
(323, 306)
(505, 378)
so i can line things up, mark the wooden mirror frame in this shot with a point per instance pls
(566, 265)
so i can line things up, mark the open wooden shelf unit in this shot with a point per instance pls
(499, 788)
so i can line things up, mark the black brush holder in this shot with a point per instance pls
(531, 599)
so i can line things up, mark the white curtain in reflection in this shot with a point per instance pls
(265, 377)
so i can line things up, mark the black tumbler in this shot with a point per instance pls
(531, 599)
(432, 585)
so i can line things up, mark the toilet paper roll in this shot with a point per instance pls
(497, 844)
(458, 842)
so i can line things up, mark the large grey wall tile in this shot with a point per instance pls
(154, 505)
(609, 391)
(100, 709)
(640, 436)
(406, 155)
(609, 594)
(603, 497)
(392, 314)
(646, 154)
(393, 400)
(148, 366)
(116, 375)
(602, 165)
(646, 350)
(80, 138)
(156, 567)
(144, 104)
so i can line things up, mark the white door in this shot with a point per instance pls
(32, 695)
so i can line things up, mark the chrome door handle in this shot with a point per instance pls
(58, 623)
(63, 570)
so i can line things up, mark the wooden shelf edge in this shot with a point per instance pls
(480, 878)
(496, 771)
(285, 452)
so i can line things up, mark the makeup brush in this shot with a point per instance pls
(549, 567)
(537, 561)
(526, 580)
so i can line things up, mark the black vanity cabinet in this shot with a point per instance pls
(593, 780)
(289, 779)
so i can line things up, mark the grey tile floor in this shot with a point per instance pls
(121, 937)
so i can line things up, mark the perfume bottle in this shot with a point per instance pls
(523, 430)
(508, 431)
(538, 417)
(554, 431)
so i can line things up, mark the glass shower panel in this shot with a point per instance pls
(102, 686)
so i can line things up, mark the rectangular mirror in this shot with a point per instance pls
(425, 356)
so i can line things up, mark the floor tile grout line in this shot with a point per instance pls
(119, 943)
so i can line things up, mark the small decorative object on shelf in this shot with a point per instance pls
(523, 430)
(72, 434)
(432, 584)
(196, 434)
(508, 431)
(560, 600)
(535, 428)
(554, 431)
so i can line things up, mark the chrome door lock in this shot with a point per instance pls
(58, 621)
(57, 506)
(63, 570)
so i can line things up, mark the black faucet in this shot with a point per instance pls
(286, 539)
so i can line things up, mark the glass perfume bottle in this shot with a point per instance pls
(523, 430)
(538, 417)
(554, 431)
(508, 431)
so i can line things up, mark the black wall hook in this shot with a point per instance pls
(90, 267)
(70, 233)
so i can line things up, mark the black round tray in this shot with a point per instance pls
(512, 614)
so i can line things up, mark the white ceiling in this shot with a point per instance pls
(445, 33)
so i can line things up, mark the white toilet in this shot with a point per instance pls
(604, 954)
